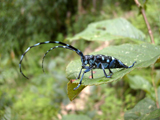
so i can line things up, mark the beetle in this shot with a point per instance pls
(89, 62)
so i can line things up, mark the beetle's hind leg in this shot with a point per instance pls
(110, 72)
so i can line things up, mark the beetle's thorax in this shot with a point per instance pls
(88, 59)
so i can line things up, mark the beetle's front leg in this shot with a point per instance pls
(83, 67)
(87, 70)
(79, 74)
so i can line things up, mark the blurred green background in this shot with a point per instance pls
(44, 96)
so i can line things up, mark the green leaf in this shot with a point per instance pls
(145, 110)
(158, 94)
(75, 117)
(72, 94)
(105, 30)
(145, 55)
(152, 115)
(138, 82)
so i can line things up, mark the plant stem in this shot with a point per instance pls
(145, 19)
(155, 88)
(80, 7)
(152, 41)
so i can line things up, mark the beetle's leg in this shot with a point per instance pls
(87, 70)
(105, 71)
(92, 73)
(110, 72)
(79, 74)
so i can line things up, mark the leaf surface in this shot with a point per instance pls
(145, 110)
(106, 30)
(72, 94)
(138, 82)
(75, 117)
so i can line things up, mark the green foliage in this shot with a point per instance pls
(138, 82)
(73, 94)
(152, 15)
(144, 110)
(20, 23)
(37, 99)
(75, 117)
(43, 96)
(5, 102)
(111, 111)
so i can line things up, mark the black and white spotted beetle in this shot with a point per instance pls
(89, 62)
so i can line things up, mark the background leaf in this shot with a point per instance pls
(138, 82)
(105, 30)
(152, 115)
(146, 108)
(158, 94)
(75, 117)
